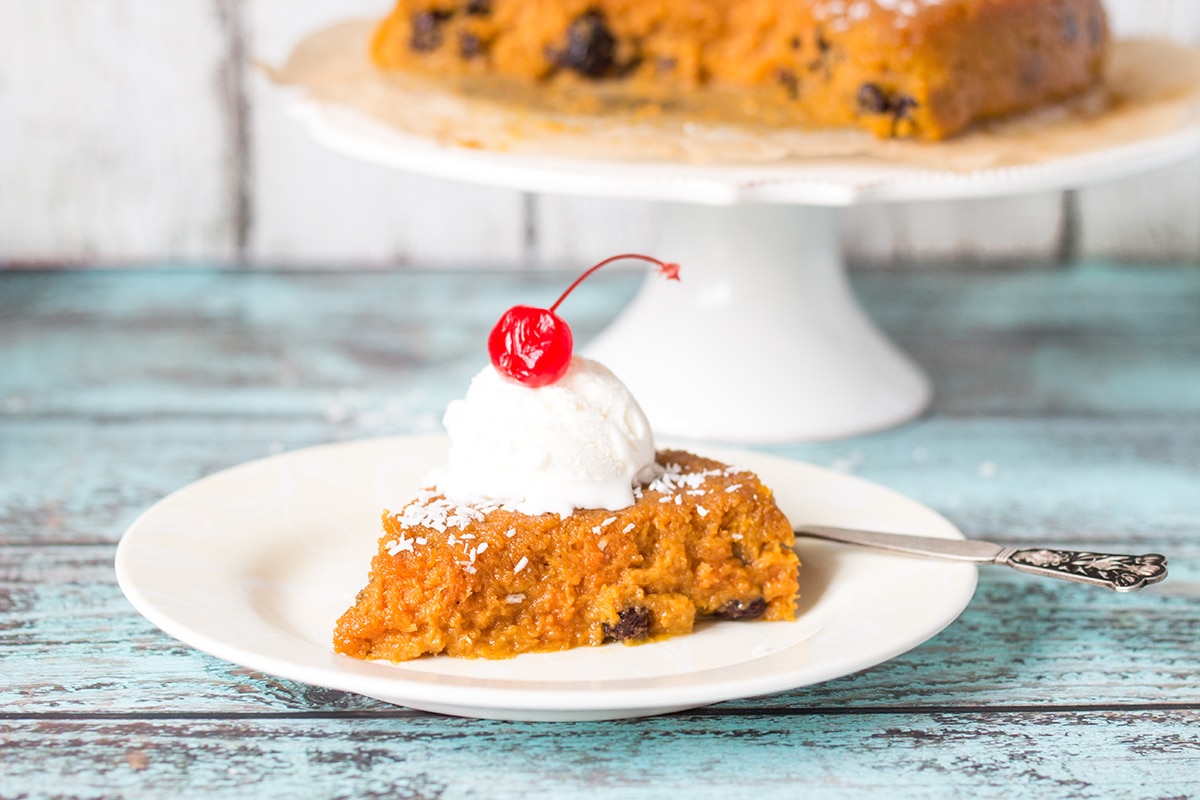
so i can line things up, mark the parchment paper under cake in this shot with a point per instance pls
(1150, 89)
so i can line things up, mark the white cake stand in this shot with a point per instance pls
(763, 340)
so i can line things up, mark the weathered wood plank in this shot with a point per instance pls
(71, 643)
(960, 232)
(1028, 343)
(204, 343)
(115, 344)
(116, 137)
(83, 483)
(574, 230)
(311, 205)
(1037, 480)
(1134, 482)
(986, 755)
(1081, 473)
(1061, 389)
(1156, 215)
(1172, 19)
(1021, 641)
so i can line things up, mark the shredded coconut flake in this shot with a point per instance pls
(842, 14)
(673, 479)
(430, 510)
(396, 546)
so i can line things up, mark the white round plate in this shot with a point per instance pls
(815, 183)
(254, 565)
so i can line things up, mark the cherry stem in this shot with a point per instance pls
(670, 270)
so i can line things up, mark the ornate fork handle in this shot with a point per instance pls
(1120, 572)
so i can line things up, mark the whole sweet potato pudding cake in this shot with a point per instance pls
(924, 69)
(556, 524)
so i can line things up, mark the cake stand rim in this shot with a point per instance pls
(353, 133)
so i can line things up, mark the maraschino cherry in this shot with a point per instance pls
(533, 346)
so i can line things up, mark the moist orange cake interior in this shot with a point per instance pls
(703, 540)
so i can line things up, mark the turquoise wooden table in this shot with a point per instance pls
(1067, 412)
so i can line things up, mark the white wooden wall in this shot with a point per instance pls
(138, 131)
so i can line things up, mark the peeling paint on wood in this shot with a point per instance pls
(113, 142)
(1068, 412)
(1018, 643)
(1031, 754)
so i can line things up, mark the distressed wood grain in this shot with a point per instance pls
(72, 644)
(315, 345)
(1030, 230)
(1173, 19)
(116, 137)
(1024, 340)
(1088, 754)
(573, 230)
(1060, 388)
(567, 232)
(1156, 215)
(1086, 480)
(1067, 413)
(313, 206)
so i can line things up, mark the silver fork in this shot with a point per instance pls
(1123, 573)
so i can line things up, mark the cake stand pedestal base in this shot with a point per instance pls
(762, 340)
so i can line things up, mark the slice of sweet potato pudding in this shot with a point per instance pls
(703, 539)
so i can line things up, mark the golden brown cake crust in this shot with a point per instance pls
(704, 539)
(920, 68)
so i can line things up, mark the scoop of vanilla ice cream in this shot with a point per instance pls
(581, 442)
